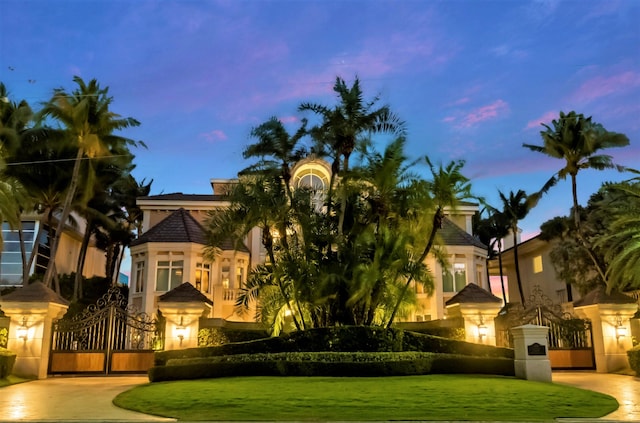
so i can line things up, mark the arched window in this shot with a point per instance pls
(317, 182)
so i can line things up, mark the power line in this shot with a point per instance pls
(64, 160)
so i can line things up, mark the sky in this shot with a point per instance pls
(473, 80)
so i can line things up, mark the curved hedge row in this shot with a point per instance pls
(328, 364)
(342, 339)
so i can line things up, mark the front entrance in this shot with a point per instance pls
(570, 339)
(107, 337)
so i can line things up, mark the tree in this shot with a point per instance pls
(344, 124)
(89, 127)
(575, 139)
(491, 230)
(515, 208)
(446, 189)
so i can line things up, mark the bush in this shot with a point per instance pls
(634, 359)
(362, 364)
(7, 360)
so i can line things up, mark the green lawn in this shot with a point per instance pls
(433, 397)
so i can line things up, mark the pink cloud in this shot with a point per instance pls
(545, 118)
(602, 86)
(289, 119)
(484, 113)
(449, 119)
(214, 136)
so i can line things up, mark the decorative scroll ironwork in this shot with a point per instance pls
(565, 330)
(108, 325)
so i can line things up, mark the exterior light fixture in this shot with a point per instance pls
(482, 328)
(181, 331)
(621, 330)
(22, 331)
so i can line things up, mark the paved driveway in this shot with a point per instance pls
(70, 399)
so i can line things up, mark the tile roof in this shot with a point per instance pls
(472, 293)
(179, 226)
(452, 234)
(600, 296)
(35, 292)
(184, 293)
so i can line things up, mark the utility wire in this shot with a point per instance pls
(64, 160)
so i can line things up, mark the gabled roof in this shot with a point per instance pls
(179, 226)
(185, 293)
(600, 296)
(472, 293)
(452, 234)
(35, 292)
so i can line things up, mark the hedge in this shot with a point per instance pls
(328, 364)
(7, 360)
(342, 339)
(634, 359)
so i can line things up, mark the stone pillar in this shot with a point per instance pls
(32, 310)
(182, 307)
(610, 348)
(531, 351)
(478, 308)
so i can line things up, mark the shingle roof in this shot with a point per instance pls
(452, 234)
(600, 296)
(178, 196)
(472, 293)
(35, 292)
(179, 226)
(184, 293)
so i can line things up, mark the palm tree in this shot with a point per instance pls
(446, 189)
(344, 124)
(491, 230)
(88, 125)
(575, 139)
(515, 208)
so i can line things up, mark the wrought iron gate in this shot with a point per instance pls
(107, 337)
(570, 338)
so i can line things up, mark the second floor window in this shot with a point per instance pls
(455, 278)
(203, 276)
(139, 277)
(169, 274)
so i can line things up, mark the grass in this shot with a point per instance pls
(433, 397)
(12, 380)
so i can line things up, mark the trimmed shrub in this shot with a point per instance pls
(7, 360)
(634, 359)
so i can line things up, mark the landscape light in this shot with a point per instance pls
(23, 331)
(621, 330)
(181, 331)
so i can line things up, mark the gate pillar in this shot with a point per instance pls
(609, 315)
(32, 309)
(531, 351)
(182, 307)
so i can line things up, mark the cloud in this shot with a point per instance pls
(484, 113)
(214, 136)
(288, 119)
(545, 118)
(602, 86)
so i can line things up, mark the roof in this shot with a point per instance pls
(452, 234)
(178, 196)
(185, 293)
(600, 296)
(35, 292)
(179, 226)
(472, 293)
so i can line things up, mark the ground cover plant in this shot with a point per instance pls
(433, 397)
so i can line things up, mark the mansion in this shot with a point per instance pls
(170, 251)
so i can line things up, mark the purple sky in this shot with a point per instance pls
(472, 79)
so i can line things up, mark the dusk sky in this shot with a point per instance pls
(472, 79)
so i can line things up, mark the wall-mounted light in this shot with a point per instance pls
(482, 329)
(181, 331)
(621, 330)
(22, 331)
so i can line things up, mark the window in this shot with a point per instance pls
(537, 264)
(225, 270)
(169, 274)
(316, 182)
(11, 257)
(139, 277)
(453, 280)
(203, 276)
(239, 273)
